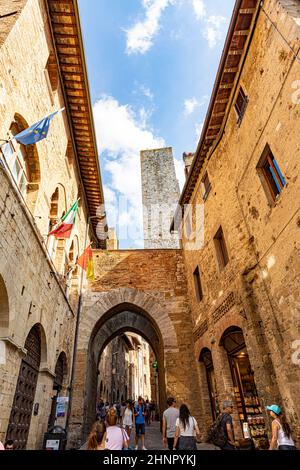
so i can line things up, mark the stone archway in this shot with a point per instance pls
(104, 316)
(116, 322)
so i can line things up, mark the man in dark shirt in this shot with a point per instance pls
(227, 424)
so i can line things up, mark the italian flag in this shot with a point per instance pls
(85, 261)
(64, 229)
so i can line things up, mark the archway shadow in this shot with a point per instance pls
(121, 319)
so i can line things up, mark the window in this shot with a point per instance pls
(241, 104)
(15, 157)
(272, 179)
(221, 249)
(206, 186)
(198, 286)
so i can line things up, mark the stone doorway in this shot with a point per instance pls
(21, 412)
(113, 324)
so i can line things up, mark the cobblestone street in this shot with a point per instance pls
(153, 439)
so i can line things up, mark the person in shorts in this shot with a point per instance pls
(169, 423)
(139, 414)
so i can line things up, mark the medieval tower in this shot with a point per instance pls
(160, 192)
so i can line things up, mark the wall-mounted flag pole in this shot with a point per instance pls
(37, 131)
(85, 261)
(64, 228)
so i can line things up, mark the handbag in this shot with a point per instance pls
(124, 440)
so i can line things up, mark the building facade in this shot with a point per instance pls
(244, 279)
(39, 280)
(229, 294)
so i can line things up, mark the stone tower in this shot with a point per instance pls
(160, 191)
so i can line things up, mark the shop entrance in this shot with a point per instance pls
(247, 399)
(206, 358)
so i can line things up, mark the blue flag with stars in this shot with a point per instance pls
(36, 132)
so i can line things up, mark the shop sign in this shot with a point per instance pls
(61, 407)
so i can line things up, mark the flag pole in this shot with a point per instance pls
(79, 307)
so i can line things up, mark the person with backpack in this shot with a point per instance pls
(221, 433)
(281, 431)
(186, 428)
(139, 414)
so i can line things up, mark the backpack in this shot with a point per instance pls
(217, 433)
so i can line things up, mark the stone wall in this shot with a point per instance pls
(143, 291)
(36, 294)
(258, 290)
(160, 191)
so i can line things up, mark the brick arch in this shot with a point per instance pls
(120, 319)
(150, 305)
(43, 339)
(225, 323)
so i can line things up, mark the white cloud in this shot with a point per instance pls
(146, 92)
(121, 135)
(213, 25)
(140, 35)
(179, 168)
(199, 9)
(214, 30)
(190, 105)
(198, 130)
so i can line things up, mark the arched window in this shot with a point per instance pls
(56, 248)
(4, 309)
(23, 163)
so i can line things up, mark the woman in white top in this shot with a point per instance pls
(186, 428)
(281, 431)
(128, 418)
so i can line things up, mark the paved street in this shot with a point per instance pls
(153, 440)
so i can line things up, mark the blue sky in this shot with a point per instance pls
(152, 66)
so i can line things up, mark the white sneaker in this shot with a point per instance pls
(144, 448)
(136, 447)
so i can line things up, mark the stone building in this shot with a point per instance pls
(124, 369)
(243, 282)
(42, 70)
(160, 194)
(230, 293)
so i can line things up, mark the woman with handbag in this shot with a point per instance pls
(186, 428)
(115, 437)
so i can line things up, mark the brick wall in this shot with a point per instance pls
(259, 288)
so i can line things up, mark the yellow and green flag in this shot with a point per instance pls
(85, 261)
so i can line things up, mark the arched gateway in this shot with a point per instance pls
(160, 314)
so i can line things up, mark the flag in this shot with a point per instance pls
(37, 131)
(64, 229)
(85, 261)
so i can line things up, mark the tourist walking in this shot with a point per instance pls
(152, 410)
(128, 418)
(139, 414)
(281, 431)
(115, 437)
(95, 439)
(148, 413)
(226, 424)
(170, 417)
(186, 428)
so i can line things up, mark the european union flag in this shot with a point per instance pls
(36, 132)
